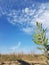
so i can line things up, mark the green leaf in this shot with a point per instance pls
(44, 30)
(40, 48)
(47, 47)
(39, 42)
(39, 37)
(39, 26)
(46, 41)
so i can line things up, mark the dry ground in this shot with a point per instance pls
(22, 59)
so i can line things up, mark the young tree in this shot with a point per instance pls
(39, 37)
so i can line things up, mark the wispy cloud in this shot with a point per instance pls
(28, 30)
(11, 49)
(14, 48)
(27, 16)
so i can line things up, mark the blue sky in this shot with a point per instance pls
(17, 23)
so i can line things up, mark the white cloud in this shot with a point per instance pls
(28, 30)
(10, 49)
(28, 16)
(26, 10)
(14, 48)
(29, 11)
(44, 18)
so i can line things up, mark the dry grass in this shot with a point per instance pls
(14, 57)
(21, 59)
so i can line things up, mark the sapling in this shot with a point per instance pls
(39, 38)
